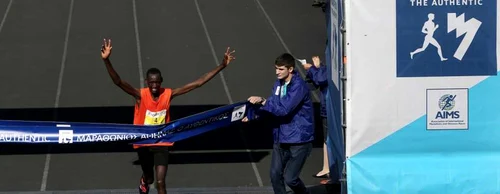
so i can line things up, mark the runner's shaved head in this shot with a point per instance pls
(152, 71)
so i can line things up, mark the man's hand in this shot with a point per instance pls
(316, 61)
(228, 57)
(106, 49)
(256, 100)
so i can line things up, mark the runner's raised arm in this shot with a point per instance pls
(205, 78)
(105, 53)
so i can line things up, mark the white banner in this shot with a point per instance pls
(422, 96)
(393, 63)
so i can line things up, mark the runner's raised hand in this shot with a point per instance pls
(228, 57)
(106, 49)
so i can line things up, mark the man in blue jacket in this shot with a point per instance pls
(289, 110)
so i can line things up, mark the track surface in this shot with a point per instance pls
(51, 69)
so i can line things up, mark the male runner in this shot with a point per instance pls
(152, 107)
(289, 110)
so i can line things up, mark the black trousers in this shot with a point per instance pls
(286, 164)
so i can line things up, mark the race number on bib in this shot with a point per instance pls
(155, 118)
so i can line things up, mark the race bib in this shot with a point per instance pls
(155, 118)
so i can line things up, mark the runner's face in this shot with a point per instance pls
(154, 83)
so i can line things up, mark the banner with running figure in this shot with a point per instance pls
(422, 96)
(44, 132)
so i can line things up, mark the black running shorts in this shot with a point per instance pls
(154, 155)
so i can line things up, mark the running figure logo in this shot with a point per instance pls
(447, 102)
(238, 113)
(445, 38)
(447, 108)
(429, 28)
(65, 136)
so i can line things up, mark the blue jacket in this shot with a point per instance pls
(319, 78)
(292, 115)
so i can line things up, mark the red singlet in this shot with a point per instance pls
(151, 112)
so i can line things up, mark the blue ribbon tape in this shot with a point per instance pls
(33, 132)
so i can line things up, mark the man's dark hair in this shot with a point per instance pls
(154, 70)
(286, 60)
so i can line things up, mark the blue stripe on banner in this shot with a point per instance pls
(416, 160)
(36, 132)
